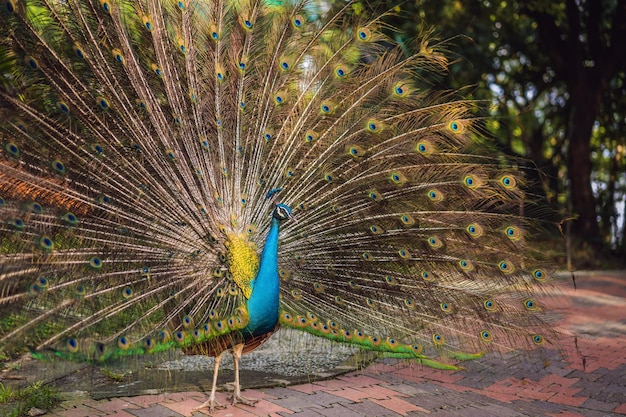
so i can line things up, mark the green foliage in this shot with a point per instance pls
(17, 403)
(114, 376)
(6, 394)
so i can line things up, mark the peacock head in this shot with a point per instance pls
(282, 212)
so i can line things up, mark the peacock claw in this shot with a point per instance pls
(243, 400)
(211, 404)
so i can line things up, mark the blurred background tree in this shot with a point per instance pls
(553, 73)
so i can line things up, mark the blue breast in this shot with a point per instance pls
(264, 300)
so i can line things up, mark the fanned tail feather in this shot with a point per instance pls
(142, 137)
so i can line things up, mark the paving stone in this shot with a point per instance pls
(605, 393)
(532, 410)
(398, 405)
(475, 383)
(560, 398)
(145, 400)
(585, 383)
(537, 408)
(492, 410)
(280, 392)
(437, 413)
(324, 399)
(389, 378)
(185, 408)
(621, 409)
(331, 384)
(500, 396)
(80, 412)
(535, 394)
(305, 388)
(317, 400)
(485, 376)
(613, 377)
(350, 394)
(567, 413)
(156, 410)
(379, 392)
(337, 410)
(428, 402)
(78, 403)
(555, 379)
(489, 410)
(357, 380)
(459, 400)
(407, 389)
(304, 413)
(443, 376)
(295, 404)
(593, 404)
(368, 408)
(114, 404)
(435, 388)
(591, 413)
(226, 412)
(252, 393)
(586, 376)
(264, 408)
(617, 397)
(119, 413)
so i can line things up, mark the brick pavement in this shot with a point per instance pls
(590, 383)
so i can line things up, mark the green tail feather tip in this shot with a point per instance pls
(388, 347)
(439, 365)
(423, 360)
(94, 352)
(465, 356)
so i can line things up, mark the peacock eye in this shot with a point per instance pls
(282, 212)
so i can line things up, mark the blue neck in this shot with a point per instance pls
(263, 303)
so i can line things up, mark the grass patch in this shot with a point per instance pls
(114, 376)
(17, 403)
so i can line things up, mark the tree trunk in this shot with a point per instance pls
(586, 99)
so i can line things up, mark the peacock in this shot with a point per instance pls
(192, 174)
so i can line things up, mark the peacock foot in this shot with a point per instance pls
(212, 404)
(238, 398)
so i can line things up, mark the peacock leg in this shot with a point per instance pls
(237, 397)
(212, 403)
